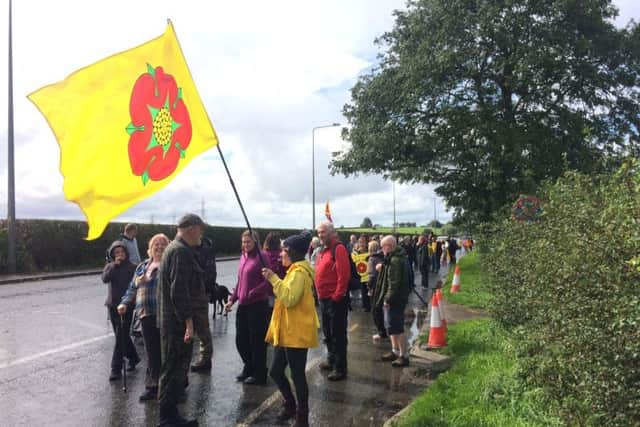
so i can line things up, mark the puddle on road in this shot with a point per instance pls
(416, 321)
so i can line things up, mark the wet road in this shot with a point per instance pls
(55, 352)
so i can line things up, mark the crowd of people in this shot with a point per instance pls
(286, 290)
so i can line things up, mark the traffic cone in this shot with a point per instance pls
(455, 285)
(441, 308)
(438, 326)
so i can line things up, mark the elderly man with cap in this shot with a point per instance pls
(180, 277)
(294, 326)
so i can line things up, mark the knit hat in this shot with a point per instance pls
(298, 242)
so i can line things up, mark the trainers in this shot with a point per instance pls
(255, 381)
(400, 362)
(177, 420)
(337, 375)
(149, 394)
(115, 375)
(243, 376)
(325, 366)
(203, 366)
(389, 357)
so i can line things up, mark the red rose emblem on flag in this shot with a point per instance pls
(160, 128)
(361, 267)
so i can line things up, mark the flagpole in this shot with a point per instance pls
(11, 202)
(233, 185)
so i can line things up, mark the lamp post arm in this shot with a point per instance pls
(313, 170)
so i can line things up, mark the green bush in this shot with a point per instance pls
(568, 289)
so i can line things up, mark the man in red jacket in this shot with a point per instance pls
(333, 272)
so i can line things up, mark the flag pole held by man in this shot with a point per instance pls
(126, 125)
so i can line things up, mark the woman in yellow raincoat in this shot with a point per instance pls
(294, 326)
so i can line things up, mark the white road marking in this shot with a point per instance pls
(86, 324)
(27, 359)
(272, 399)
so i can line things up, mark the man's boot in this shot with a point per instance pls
(302, 418)
(166, 414)
(169, 417)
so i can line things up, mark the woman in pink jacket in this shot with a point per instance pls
(252, 318)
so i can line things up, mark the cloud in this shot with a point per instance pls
(268, 72)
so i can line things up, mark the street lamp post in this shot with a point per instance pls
(433, 199)
(313, 168)
(393, 185)
(11, 202)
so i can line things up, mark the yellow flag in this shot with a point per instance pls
(126, 126)
(361, 262)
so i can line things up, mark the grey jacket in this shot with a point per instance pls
(132, 248)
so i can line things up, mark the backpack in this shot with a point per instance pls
(354, 280)
(206, 257)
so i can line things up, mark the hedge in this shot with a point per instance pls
(45, 245)
(568, 288)
(48, 245)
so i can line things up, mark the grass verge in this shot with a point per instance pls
(474, 292)
(481, 389)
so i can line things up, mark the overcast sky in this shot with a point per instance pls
(268, 72)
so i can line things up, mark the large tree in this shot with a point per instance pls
(487, 98)
(366, 223)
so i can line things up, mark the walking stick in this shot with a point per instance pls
(123, 337)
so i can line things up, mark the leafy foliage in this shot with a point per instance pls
(568, 289)
(488, 98)
(450, 230)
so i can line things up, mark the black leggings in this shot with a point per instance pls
(151, 337)
(252, 322)
(296, 358)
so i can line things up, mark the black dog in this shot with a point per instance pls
(219, 297)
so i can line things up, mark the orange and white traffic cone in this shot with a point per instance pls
(438, 326)
(441, 308)
(455, 285)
